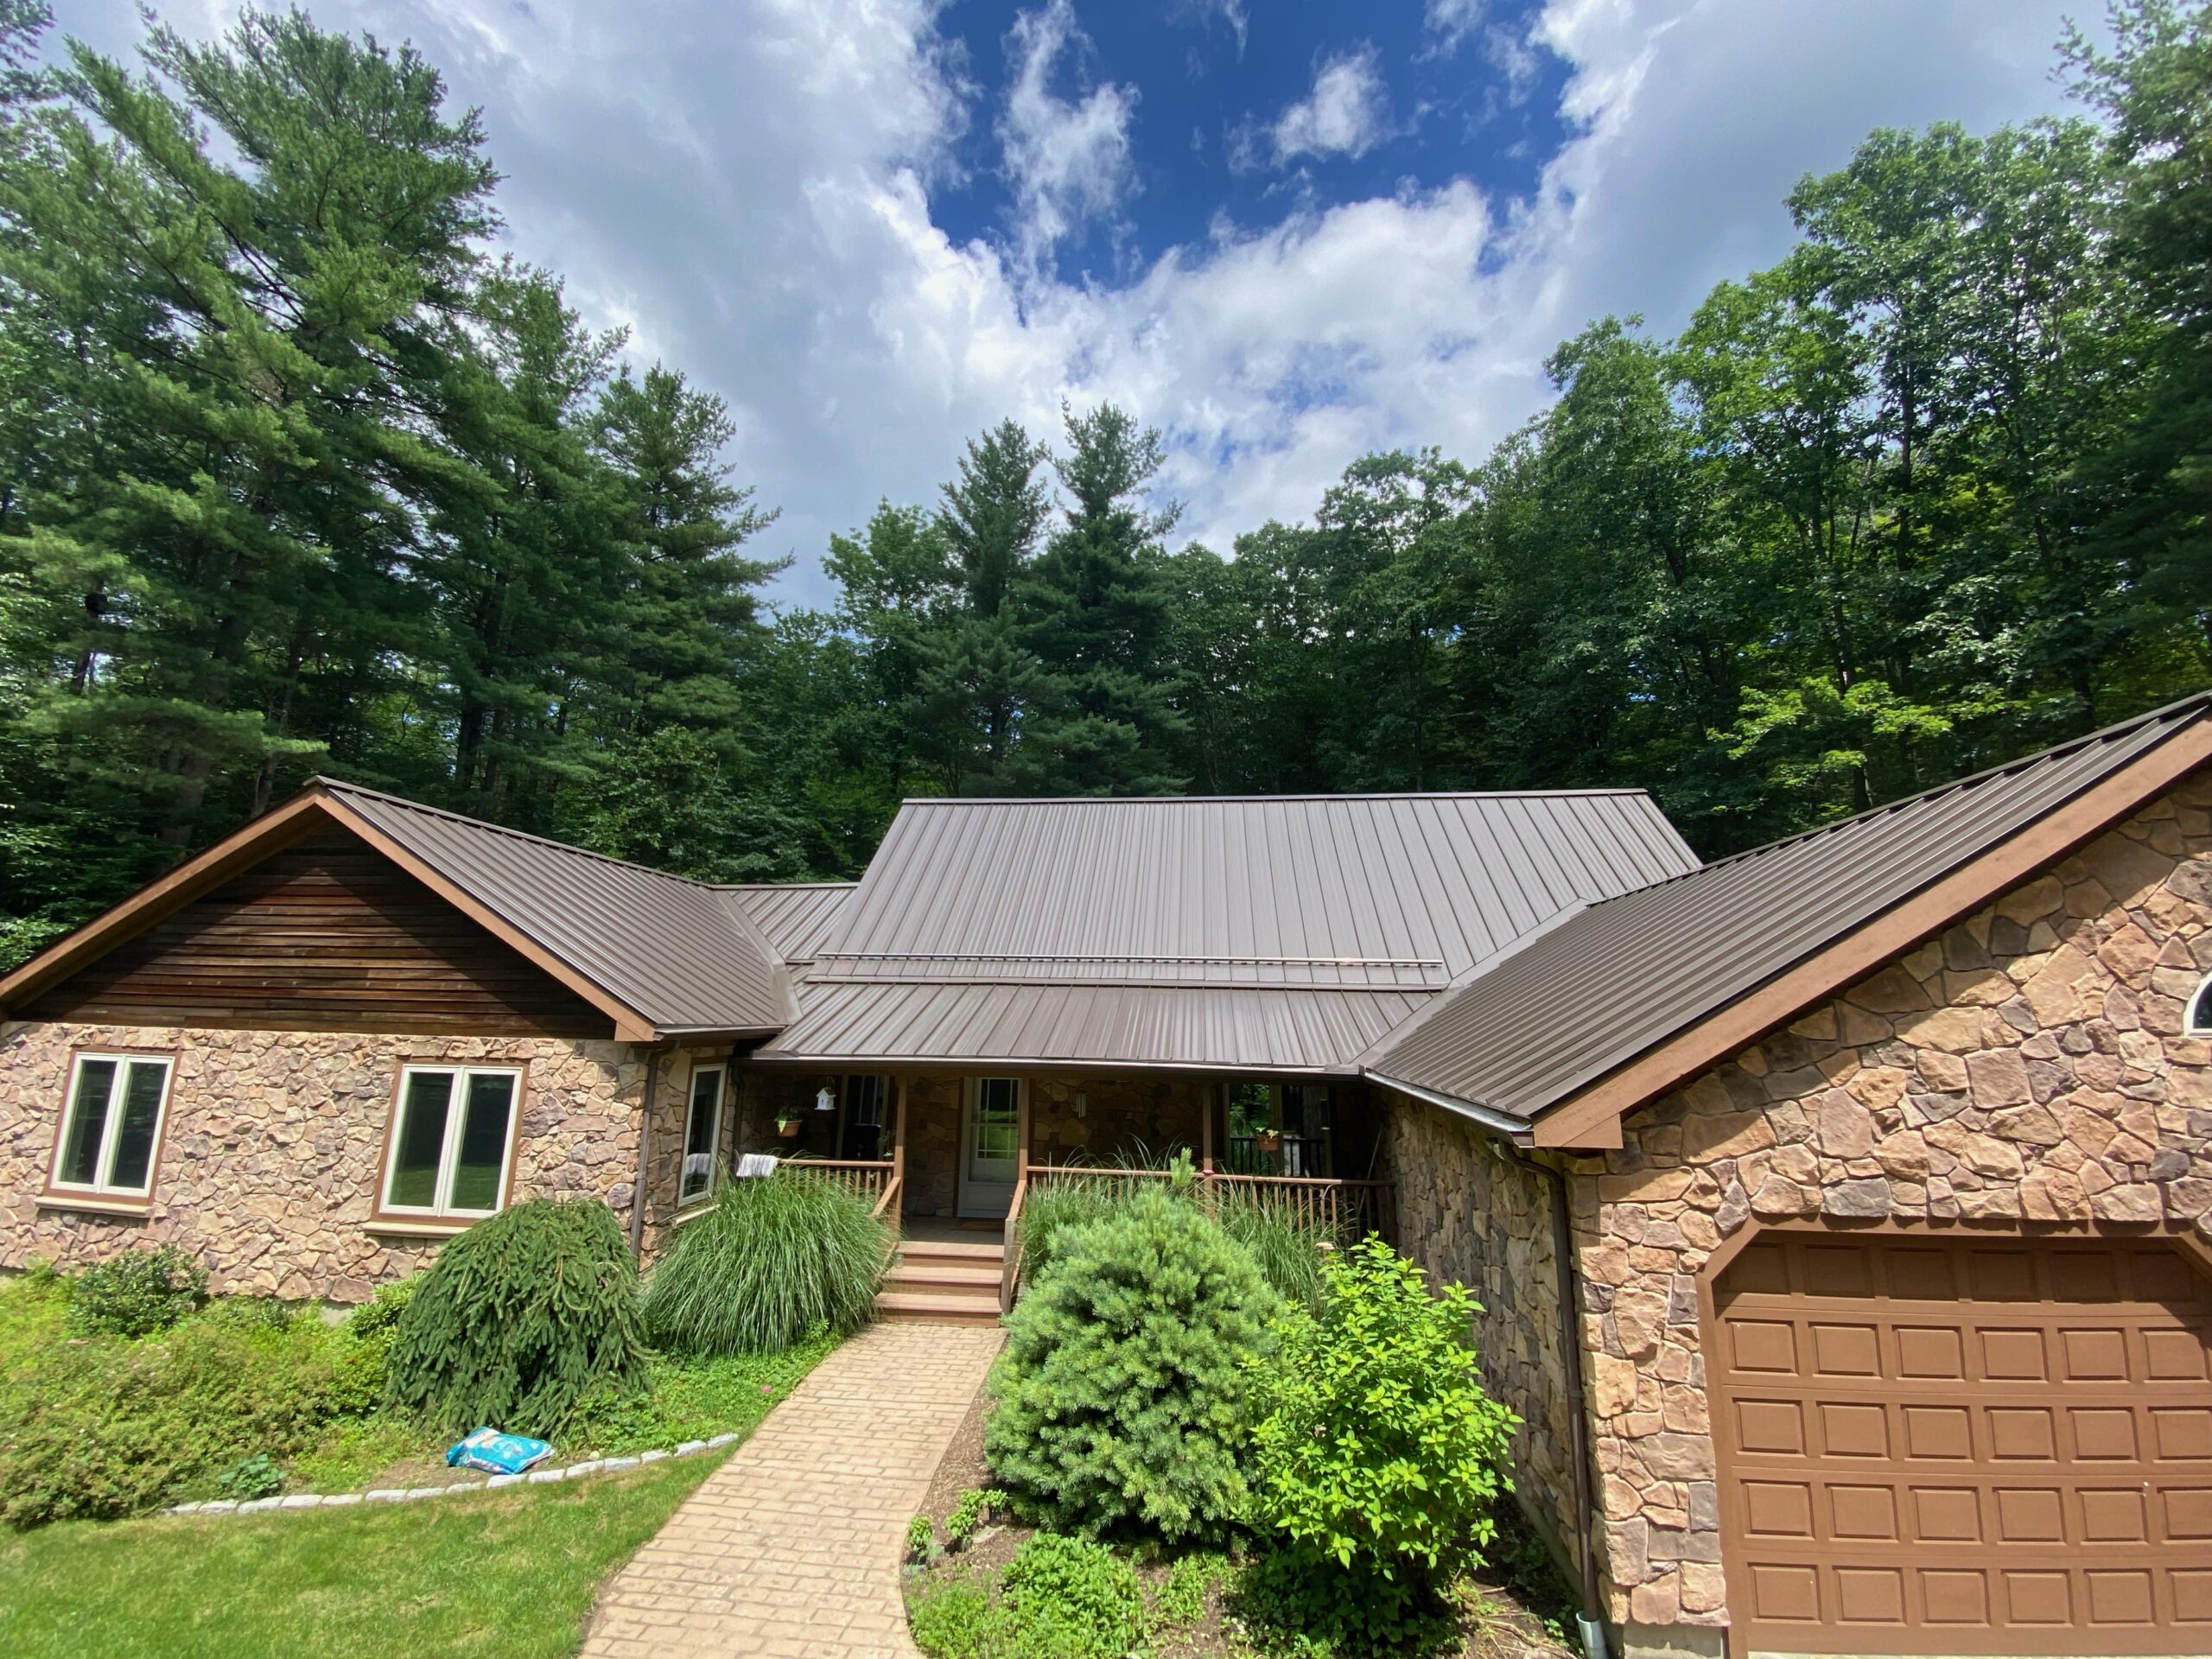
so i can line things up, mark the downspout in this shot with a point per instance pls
(1590, 1619)
(644, 1145)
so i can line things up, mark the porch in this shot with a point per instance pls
(954, 1159)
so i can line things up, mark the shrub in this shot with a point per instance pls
(921, 1539)
(1119, 1400)
(774, 1258)
(1378, 1455)
(105, 1428)
(136, 1293)
(1181, 1598)
(967, 1515)
(527, 1318)
(1060, 1205)
(1058, 1598)
(250, 1478)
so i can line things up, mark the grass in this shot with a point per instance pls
(772, 1259)
(505, 1575)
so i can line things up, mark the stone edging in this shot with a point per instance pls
(540, 1477)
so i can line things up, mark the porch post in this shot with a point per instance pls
(1021, 1118)
(898, 1132)
(1205, 1126)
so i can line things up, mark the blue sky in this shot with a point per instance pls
(1285, 234)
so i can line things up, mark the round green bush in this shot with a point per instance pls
(527, 1318)
(775, 1258)
(136, 1293)
(1119, 1404)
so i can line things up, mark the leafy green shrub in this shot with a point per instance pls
(1181, 1598)
(136, 1293)
(921, 1539)
(1378, 1455)
(248, 1312)
(526, 1319)
(967, 1515)
(250, 1478)
(361, 1349)
(1073, 1598)
(1119, 1400)
(103, 1427)
(775, 1257)
(1058, 1598)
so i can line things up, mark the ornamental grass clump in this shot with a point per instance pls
(1378, 1457)
(526, 1319)
(1120, 1403)
(777, 1257)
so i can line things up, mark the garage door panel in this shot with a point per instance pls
(2001, 1472)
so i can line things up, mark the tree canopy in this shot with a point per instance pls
(297, 475)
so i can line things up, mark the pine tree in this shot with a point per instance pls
(1094, 610)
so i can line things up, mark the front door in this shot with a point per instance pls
(990, 1146)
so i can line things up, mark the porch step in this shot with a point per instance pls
(949, 1281)
(939, 1310)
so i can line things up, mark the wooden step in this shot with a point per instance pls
(952, 1277)
(940, 1310)
(992, 1251)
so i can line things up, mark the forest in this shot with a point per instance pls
(296, 476)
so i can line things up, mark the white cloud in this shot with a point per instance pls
(1231, 12)
(1345, 114)
(1068, 161)
(748, 183)
(1450, 21)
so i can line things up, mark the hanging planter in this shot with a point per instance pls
(787, 1127)
(1267, 1140)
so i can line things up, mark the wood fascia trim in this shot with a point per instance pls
(1578, 1123)
(629, 1026)
(241, 849)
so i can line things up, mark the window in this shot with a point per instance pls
(110, 1123)
(1278, 1130)
(702, 1134)
(451, 1141)
(2200, 1009)
(861, 1119)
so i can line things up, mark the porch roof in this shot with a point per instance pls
(1229, 1028)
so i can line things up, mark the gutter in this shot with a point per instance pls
(1511, 1135)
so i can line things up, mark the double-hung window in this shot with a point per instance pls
(702, 1134)
(111, 1124)
(452, 1139)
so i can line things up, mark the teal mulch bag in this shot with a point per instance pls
(496, 1453)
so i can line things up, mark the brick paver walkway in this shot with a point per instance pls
(792, 1549)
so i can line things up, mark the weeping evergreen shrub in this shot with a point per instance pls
(1119, 1403)
(527, 1318)
(776, 1257)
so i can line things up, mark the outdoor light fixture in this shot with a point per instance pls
(825, 1101)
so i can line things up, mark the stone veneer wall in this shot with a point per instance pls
(2028, 1066)
(269, 1158)
(1469, 1217)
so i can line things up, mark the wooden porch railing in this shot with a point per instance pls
(870, 1177)
(1346, 1211)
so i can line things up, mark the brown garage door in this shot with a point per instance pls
(1962, 1448)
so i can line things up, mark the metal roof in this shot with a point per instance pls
(1385, 891)
(1185, 1027)
(667, 947)
(1611, 982)
(793, 915)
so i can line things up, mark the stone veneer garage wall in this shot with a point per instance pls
(1469, 1217)
(2027, 1068)
(269, 1160)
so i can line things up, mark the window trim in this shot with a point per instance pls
(97, 1196)
(2190, 1024)
(721, 1068)
(387, 1218)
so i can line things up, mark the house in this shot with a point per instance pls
(1840, 1210)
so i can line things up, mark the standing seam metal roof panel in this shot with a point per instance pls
(1629, 971)
(667, 947)
(793, 916)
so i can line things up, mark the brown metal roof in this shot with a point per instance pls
(668, 948)
(1387, 891)
(1611, 982)
(793, 915)
(1183, 1027)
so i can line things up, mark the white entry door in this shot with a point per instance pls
(990, 1146)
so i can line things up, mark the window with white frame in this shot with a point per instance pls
(702, 1133)
(111, 1124)
(452, 1140)
(2199, 1010)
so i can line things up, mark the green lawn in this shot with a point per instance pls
(505, 1574)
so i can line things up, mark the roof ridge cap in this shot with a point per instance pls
(508, 830)
(1211, 800)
